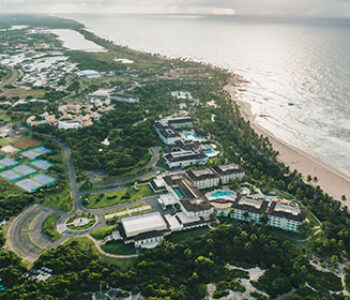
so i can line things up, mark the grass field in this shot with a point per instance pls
(188, 234)
(49, 227)
(101, 233)
(4, 117)
(127, 195)
(60, 201)
(119, 248)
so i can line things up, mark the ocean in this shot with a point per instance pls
(298, 71)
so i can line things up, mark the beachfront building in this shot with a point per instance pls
(145, 231)
(280, 213)
(184, 159)
(203, 179)
(229, 172)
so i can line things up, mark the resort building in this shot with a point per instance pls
(280, 213)
(146, 231)
(190, 201)
(166, 133)
(229, 172)
(158, 185)
(101, 94)
(182, 95)
(44, 118)
(68, 124)
(180, 122)
(184, 159)
(203, 179)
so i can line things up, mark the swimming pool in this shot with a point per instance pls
(221, 194)
(189, 135)
(179, 193)
(209, 152)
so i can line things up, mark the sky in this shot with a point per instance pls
(311, 8)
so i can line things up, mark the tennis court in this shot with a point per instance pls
(42, 150)
(24, 170)
(30, 154)
(28, 185)
(8, 162)
(11, 176)
(44, 179)
(41, 164)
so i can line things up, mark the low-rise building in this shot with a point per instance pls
(280, 213)
(180, 122)
(166, 133)
(203, 179)
(184, 159)
(229, 172)
(146, 231)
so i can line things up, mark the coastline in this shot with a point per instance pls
(330, 179)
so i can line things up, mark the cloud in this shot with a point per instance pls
(333, 8)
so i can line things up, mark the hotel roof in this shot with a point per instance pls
(201, 174)
(184, 156)
(140, 224)
(228, 169)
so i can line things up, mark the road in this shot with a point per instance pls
(11, 79)
(26, 236)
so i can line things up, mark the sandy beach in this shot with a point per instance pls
(331, 180)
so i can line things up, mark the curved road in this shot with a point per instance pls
(25, 235)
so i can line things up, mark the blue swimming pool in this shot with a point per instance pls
(209, 152)
(189, 134)
(221, 194)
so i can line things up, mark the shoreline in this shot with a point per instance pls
(331, 180)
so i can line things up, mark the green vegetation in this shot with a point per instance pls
(127, 195)
(61, 200)
(177, 237)
(101, 233)
(137, 205)
(119, 248)
(49, 227)
(12, 200)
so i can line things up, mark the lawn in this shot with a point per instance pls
(188, 234)
(87, 245)
(119, 248)
(101, 233)
(60, 201)
(49, 227)
(312, 219)
(127, 195)
(4, 117)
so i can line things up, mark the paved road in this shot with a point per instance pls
(71, 177)
(26, 236)
(25, 233)
(11, 79)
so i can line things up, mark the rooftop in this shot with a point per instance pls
(143, 223)
(201, 174)
(228, 169)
